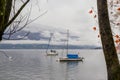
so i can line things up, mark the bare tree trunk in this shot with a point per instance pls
(112, 62)
(2, 14)
(7, 11)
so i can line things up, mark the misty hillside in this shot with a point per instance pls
(45, 46)
(37, 35)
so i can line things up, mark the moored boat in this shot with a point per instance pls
(70, 56)
(51, 52)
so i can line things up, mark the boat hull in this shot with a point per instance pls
(52, 54)
(70, 59)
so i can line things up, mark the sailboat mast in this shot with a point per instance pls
(51, 35)
(67, 39)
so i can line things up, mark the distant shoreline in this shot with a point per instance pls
(45, 46)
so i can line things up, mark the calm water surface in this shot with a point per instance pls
(35, 65)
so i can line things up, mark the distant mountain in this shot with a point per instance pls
(39, 35)
(31, 36)
(44, 46)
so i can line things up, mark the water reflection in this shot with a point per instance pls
(72, 64)
(71, 69)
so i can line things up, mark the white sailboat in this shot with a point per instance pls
(51, 52)
(70, 56)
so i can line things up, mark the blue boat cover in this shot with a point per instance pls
(72, 56)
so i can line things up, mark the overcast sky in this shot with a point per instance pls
(62, 15)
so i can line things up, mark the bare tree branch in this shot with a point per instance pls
(38, 17)
(17, 38)
(16, 15)
(15, 27)
(22, 22)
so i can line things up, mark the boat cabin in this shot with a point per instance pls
(72, 56)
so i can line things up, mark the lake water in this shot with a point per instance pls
(35, 65)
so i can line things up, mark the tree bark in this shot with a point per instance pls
(7, 11)
(2, 14)
(111, 58)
